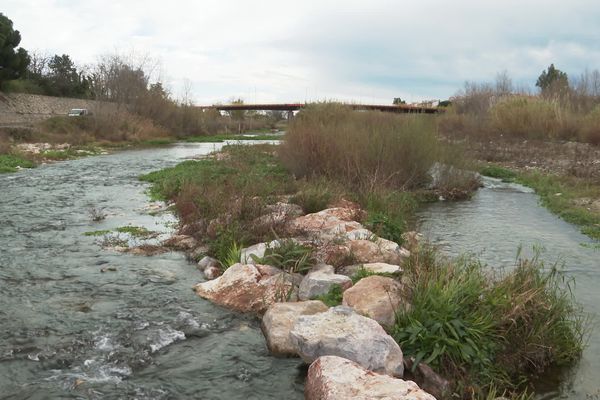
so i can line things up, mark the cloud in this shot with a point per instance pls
(269, 50)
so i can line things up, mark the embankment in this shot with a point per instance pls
(21, 109)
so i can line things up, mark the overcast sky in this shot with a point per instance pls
(284, 51)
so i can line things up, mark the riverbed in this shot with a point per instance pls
(493, 225)
(137, 330)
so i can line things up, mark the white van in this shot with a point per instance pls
(78, 112)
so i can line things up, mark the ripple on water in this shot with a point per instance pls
(139, 332)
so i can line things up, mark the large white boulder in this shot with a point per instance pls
(248, 288)
(342, 332)
(279, 319)
(336, 378)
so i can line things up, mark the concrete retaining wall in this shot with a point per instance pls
(19, 109)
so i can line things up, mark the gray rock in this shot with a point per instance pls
(335, 378)
(206, 262)
(342, 332)
(279, 319)
(319, 281)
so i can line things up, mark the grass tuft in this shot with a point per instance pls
(485, 330)
(12, 163)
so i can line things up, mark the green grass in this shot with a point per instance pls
(238, 186)
(489, 331)
(12, 163)
(223, 138)
(158, 142)
(135, 231)
(333, 297)
(495, 171)
(97, 233)
(71, 153)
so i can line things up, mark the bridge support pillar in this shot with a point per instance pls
(290, 115)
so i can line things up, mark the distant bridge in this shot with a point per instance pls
(399, 108)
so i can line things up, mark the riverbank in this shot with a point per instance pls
(16, 156)
(566, 176)
(255, 213)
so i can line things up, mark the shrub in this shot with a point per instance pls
(361, 150)
(590, 131)
(525, 117)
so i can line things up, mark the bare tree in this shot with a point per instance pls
(38, 65)
(504, 84)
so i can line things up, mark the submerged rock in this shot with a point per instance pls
(319, 281)
(342, 332)
(279, 319)
(336, 378)
(377, 297)
(248, 288)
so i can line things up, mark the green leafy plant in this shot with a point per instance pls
(333, 297)
(287, 255)
(232, 257)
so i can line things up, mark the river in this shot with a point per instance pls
(500, 218)
(68, 330)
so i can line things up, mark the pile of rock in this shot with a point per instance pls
(350, 352)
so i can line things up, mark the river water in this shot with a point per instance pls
(68, 330)
(498, 220)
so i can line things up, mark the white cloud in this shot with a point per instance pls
(268, 50)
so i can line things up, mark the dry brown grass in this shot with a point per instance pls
(483, 113)
(103, 126)
(362, 150)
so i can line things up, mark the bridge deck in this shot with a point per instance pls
(400, 108)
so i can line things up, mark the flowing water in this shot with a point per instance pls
(493, 225)
(69, 330)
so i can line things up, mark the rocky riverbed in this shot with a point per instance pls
(349, 337)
